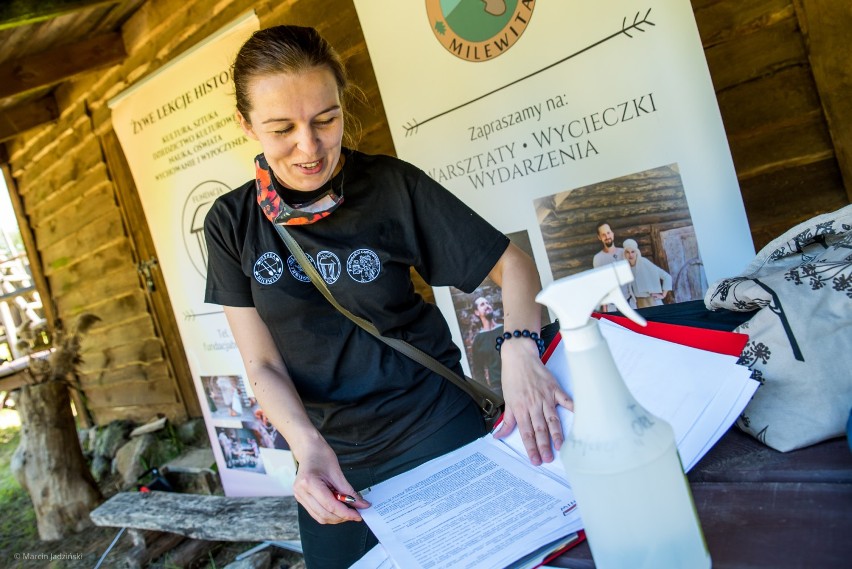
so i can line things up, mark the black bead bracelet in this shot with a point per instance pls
(521, 334)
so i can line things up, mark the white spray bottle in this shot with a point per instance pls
(621, 460)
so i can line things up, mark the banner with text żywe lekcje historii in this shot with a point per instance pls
(549, 118)
(184, 149)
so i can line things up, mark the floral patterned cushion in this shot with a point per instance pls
(800, 337)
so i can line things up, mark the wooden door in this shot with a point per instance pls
(678, 248)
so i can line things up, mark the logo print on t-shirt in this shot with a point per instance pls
(328, 265)
(268, 268)
(296, 268)
(363, 265)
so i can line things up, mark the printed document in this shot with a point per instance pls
(476, 507)
(484, 506)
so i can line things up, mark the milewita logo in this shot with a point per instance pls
(479, 30)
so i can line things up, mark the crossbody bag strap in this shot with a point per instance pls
(489, 402)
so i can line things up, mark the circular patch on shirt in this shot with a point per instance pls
(296, 268)
(268, 268)
(328, 266)
(363, 265)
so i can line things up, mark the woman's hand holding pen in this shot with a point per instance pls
(321, 488)
(532, 394)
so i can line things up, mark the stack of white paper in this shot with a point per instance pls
(484, 505)
(699, 393)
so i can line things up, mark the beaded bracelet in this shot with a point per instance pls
(521, 334)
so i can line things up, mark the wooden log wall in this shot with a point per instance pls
(784, 150)
(87, 223)
(784, 119)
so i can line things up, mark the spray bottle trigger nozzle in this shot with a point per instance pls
(616, 297)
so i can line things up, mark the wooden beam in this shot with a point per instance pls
(61, 64)
(826, 25)
(15, 13)
(18, 119)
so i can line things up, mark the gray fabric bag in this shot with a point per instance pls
(800, 338)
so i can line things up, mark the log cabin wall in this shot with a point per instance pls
(773, 63)
(86, 221)
(783, 80)
(650, 201)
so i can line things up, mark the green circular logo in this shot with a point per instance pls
(478, 30)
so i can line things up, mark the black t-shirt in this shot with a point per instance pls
(486, 359)
(368, 400)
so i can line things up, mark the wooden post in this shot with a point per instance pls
(49, 463)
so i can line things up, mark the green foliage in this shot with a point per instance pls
(144, 463)
(164, 451)
(60, 262)
(19, 530)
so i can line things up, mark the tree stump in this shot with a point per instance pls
(49, 463)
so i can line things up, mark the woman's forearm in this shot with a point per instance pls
(516, 275)
(270, 381)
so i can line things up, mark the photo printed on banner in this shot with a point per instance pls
(240, 449)
(643, 218)
(480, 319)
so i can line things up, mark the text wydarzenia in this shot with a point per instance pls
(560, 144)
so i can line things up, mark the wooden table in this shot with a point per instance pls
(763, 509)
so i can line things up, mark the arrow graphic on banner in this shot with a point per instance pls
(626, 27)
(189, 315)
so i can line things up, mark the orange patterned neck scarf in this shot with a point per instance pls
(279, 211)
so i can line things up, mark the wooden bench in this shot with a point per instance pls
(202, 517)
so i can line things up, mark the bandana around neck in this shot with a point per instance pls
(279, 211)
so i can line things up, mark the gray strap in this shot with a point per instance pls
(489, 402)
